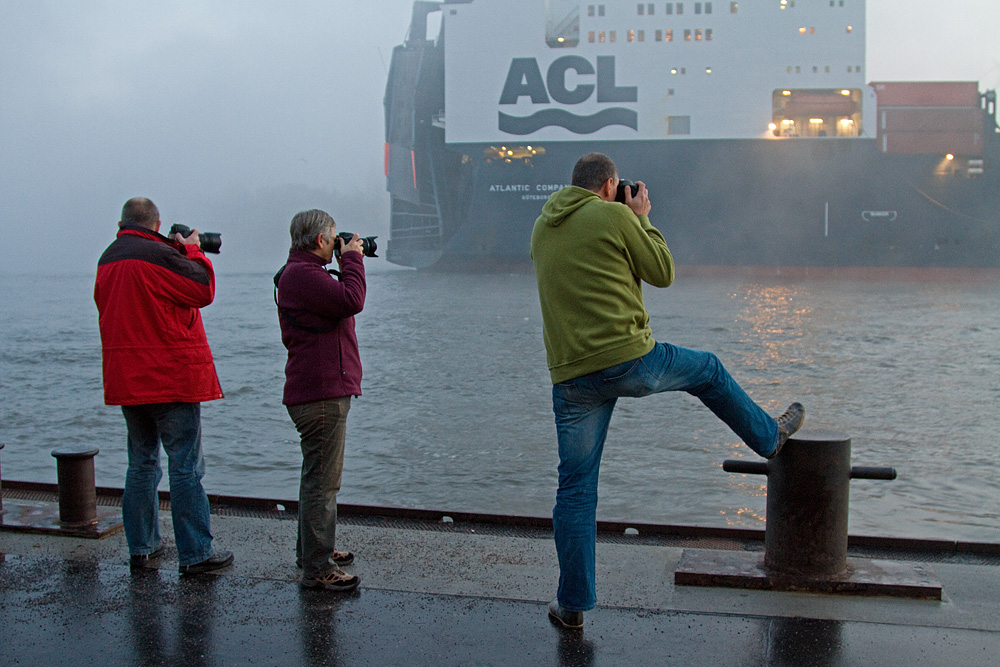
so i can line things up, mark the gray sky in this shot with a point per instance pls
(234, 114)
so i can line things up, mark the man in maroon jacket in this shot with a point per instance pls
(316, 313)
(158, 367)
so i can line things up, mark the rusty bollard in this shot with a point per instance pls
(808, 492)
(77, 490)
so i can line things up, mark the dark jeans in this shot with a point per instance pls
(322, 426)
(583, 408)
(178, 427)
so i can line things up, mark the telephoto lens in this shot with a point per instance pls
(209, 241)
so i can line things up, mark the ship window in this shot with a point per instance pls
(697, 8)
(680, 7)
(562, 23)
(600, 10)
(697, 34)
(600, 36)
(708, 7)
(734, 7)
(612, 34)
(590, 36)
(650, 9)
(708, 34)
(640, 35)
(687, 35)
(590, 10)
(678, 125)
(659, 35)
(670, 8)
(669, 35)
(816, 112)
(641, 9)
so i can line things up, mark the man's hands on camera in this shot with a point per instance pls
(639, 204)
(190, 239)
(354, 245)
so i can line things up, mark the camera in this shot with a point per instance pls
(622, 184)
(209, 241)
(368, 245)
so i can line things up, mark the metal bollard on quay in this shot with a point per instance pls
(75, 514)
(1, 486)
(77, 487)
(805, 536)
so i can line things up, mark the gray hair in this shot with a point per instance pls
(307, 225)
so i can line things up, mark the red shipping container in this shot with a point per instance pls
(962, 144)
(930, 120)
(927, 93)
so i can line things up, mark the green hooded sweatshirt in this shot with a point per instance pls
(591, 257)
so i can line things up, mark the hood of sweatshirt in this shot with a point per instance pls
(565, 202)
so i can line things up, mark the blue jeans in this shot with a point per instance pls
(178, 427)
(322, 427)
(583, 408)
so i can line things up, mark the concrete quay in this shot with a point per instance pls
(459, 592)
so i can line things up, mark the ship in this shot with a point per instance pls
(753, 125)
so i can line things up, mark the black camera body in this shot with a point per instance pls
(622, 184)
(209, 241)
(368, 245)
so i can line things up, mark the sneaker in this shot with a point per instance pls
(141, 561)
(216, 561)
(341, 558)
(567, 619)
(338, 580)
(338, 558)
(789, 422)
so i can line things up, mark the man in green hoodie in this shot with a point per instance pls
(591, 255)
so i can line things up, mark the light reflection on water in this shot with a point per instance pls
(457, 409)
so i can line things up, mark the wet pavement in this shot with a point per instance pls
(454, 597)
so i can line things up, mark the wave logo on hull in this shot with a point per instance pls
(524, 78)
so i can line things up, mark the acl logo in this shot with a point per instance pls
(525, 79)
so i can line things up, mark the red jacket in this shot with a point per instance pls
(148, 292)
(316, 312)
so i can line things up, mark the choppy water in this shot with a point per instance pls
(457, 415)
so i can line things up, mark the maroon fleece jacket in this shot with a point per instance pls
(316, 313)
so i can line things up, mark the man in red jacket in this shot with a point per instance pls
(158, 367)
(316, 313)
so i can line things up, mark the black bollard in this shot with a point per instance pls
(1, 486)
(808, 494)
(77, 490)
(805, 539)
(808, 491)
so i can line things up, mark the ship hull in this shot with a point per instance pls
(823, 203)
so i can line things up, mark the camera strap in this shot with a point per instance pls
(284, 312)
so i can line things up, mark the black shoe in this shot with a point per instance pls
(141, 561)
(567, 619)
(217, 561)
(789, 422)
